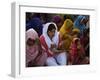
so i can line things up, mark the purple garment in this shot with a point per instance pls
(57, 19)
(36, 24)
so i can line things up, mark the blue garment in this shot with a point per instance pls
(36, 24)
(80, 25)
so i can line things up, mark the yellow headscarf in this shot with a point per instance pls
(68, 24)
(64, 33)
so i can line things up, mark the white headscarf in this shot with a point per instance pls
(55, 39)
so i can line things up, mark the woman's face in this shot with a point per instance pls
(51, 33)
(30, 42)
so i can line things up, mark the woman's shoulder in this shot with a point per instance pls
(41, 37)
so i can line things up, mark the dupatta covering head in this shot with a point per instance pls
(57, 19)
(31, 51)
(31, 33)
(77, 52)
(55, 39)
(35, 55)
(65, 33)
(78, 23)
(66, 27)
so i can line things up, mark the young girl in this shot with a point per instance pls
(50, 41)
(77, 53)
(35, 56)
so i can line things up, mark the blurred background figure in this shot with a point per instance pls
(36, 24)
(58, 20)
(80, 23)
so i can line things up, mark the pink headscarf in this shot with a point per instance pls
(33, 51)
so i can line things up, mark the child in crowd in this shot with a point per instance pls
(77, 53)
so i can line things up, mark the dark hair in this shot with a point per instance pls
(76, 41)
(51, 27)
(85, 32)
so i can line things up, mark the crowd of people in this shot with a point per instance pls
(57, 39)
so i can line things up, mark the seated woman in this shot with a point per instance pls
(35, 56)
(65, 33)
(77, 53)
(50, 41)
